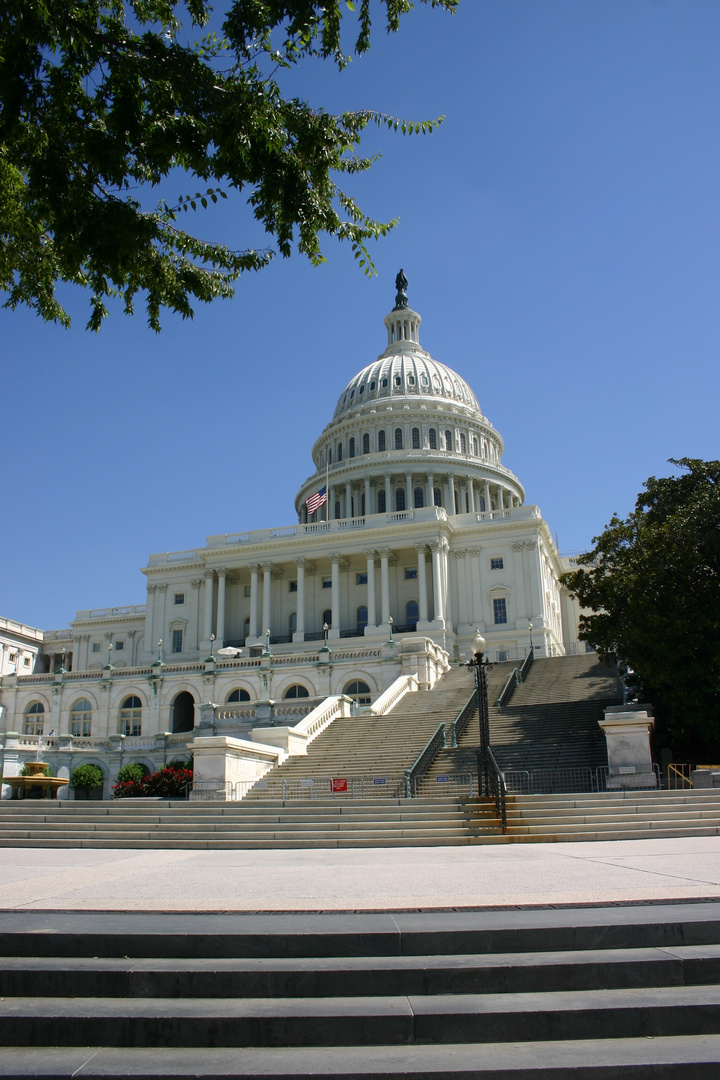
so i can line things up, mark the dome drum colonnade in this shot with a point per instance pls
(408, 432)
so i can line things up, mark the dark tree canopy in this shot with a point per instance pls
(653, 584)
(102, 100)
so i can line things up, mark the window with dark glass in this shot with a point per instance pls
(366, 443)
(496, 564)
(130, 716)
(432, 438)
(398, 438)
(351, 448)
(448, 440)
(416, 438)
(437, 497)
(499, 610)
(381, 440)
(418, 498)
(381, 502)
(400, 499)
(411, 614)
(362, 617)
(177, 641)
(339, 451)
(359, 691)
(239, 695)
(297, 690)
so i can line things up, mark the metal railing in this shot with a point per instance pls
(425, 759)
(448, 786)
(576, 779)
(461, 721)
(515, 678)
(493, 783)
(679, 777)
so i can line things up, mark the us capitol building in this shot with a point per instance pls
(410, 533)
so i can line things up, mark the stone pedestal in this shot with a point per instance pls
(220, 761)
(705, 778)
(627, 732)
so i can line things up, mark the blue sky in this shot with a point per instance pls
(561, 237)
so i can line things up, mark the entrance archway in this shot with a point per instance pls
(183, 712)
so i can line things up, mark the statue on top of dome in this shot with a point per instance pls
(401, 283)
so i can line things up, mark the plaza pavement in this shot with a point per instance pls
(361, 879)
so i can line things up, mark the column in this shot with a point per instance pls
(452, 508)
(196, 583)
(162, 595)
(422, 584)
(207, 623)
(460, 560)
(299, 634)
(477, 608)
(437, 583)
(348, 499)
(486, 496)
(447, 597)
(331, 503)
(471, 495)
(372, 619)
(254, 570)
(431, 490)
(149, 622)
(384, 585)
(368, 508)
(408, 491)
(220, 631)
(388, 494)
(267, 574)
(335, 591)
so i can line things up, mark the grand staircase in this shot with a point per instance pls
(589, 993)
(550, 722)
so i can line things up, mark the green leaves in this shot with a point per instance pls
(653, 584)
(101, 102)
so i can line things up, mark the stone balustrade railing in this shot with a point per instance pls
(322, 716)
(405, 684)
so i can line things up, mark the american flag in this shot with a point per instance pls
(314, 502)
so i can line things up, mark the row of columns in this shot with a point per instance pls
(459, 495)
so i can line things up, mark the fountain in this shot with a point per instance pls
(35, 785)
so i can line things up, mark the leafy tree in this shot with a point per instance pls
(104, 99)
(653, 584)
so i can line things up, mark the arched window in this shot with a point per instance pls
(130, 716)
(329, 455)
(81, 718)
(448, 440)
(34, 719)
(463, 444)
(437, 497)
(351, 448)
(238, 695)
(362, 618)
(327, 617)
(359, 691)
(432, 438)
(398, 438)
(411, 614)
(400, 499)
(475, 446)
(416, 438)
(381, 501)
(295, 691)
(183, 712)
(292, 622)
(366, 443)
(381, 441)
(418, 498)
(339, 452)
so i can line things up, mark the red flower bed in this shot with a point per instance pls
(164, 784)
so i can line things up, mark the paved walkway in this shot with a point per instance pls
(370, 879)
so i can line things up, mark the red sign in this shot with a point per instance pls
(339, 785)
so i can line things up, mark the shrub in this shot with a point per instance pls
(163, 784)
(134, 770)
(180, 763)
(87, 776)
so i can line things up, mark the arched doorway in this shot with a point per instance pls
(183, 712)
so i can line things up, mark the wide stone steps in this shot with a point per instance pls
(510, 995)
(329, 822)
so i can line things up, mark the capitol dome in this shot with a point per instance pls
(408, 432)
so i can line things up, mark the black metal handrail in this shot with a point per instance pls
(425, 759)
(463, 718)
(492, 783)
(507, 690)
(527, 663)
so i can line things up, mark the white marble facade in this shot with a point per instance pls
(424, 537)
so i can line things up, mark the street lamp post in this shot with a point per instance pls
(478, 646)
(390, 624)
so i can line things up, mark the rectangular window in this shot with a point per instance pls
(292, 586)
(81, 729)
(179, 598)
(361, 579)
(327, 583)
(503, 655)
(26, 661)
(96, 646)
(500, 610)
(177, 644)
(496, 564)
(246, 590)
(119, 646)
(411, 573)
